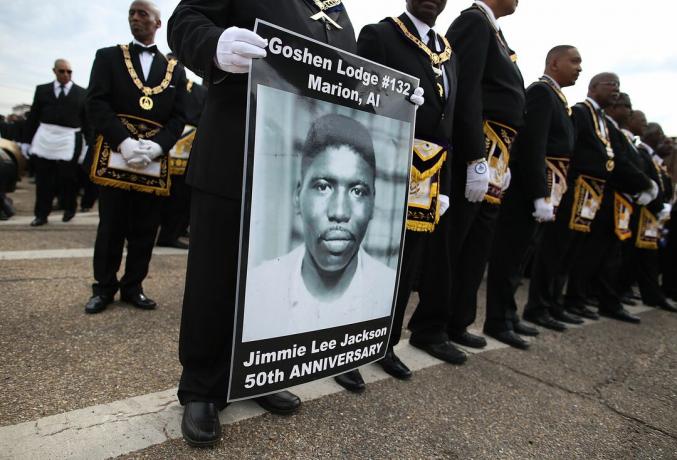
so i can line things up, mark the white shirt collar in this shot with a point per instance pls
(594, 103)
(490, 13)
(136, 42)
(421, 26)
(67, 87)
(552, 80)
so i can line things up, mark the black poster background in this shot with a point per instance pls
(285, 73)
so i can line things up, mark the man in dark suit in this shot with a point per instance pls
(409, 44)
(55, 129)
(489, 111)
(135, 100)
(213, 38)
(593, 163)
(539, 163)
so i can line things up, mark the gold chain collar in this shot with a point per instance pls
(435, 58)
(606, 140)
(147, 91)
(558, 92)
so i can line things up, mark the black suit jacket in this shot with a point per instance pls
(46, 108)
(193, 31)
(547, 131)
(490, 85)
(384, 43)
(111, 91)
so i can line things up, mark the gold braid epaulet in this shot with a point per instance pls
(435, 58)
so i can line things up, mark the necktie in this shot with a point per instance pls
(140, 49)
(62, 93)
(439, 80)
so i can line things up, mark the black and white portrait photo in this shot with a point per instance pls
(327, 197)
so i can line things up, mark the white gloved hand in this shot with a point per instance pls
(477, 181)
(544, 211)
(138, 161)
(417, 97)
(127, 148)
(236, 49)
(25, 150)
(647, 196)
(506, 180)
(664, 214)
(444, 204)
(149, 148)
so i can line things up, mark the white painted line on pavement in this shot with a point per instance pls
(128, 425)
(83, 218)
(75, 253)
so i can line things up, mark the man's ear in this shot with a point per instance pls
(297, 198)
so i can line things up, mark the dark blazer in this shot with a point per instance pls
(490, 85)
(197, 94)
(657, 175)
(547, 131)
(111, 91)
(386, 44)
(46, 108)
(193, 32)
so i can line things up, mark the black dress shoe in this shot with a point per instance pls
(200, 424)
(173, 244)
(139, 301)
(280, 403)
(520, 328)
(583, 311)
(67, 216)
(509, 338)
(85, 209)
(97, 303)
(468, 339)
(351, 381)
(38, 221)
(565, 317)
(621, 315)
(544, 319)
(392, 365)
(446, 351)
(628, 301)
(592, 301)
(667, 306)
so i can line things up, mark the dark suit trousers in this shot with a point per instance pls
(641, 265)
(413, 258)
(431, 317)
(517, 231)
(55, 178)
(206, 336)
(668, 256)
(558, 246)
(176, 211)
(90, 189)
(468, 270)
(598, 262)
(124, 215)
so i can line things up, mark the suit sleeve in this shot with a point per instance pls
(33, 120)
(470, 38)
(371, 46)
(102, 116)
(173, 128)
(627, 176)
(533, 142)
(193, 35)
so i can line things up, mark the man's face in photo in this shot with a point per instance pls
(336, 202)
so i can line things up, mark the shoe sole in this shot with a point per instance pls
(276, 410)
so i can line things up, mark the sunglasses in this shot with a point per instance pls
(68, 71)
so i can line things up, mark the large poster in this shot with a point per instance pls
(329, 140)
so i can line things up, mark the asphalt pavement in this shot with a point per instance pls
(100, 386)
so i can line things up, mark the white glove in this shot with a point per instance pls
(25, 150)
(477, 181)
(647, 196)
(127, 148)
(664, 214)
(506, 180)
(417, 97)
(444, 204)
(544, 211)
(138, 161)
(236, 49)
(148, 148)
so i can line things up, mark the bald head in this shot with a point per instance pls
(563, 64)
(62, 71)
(637, 123)
(653, 135)
(152, 7)
(144, 20)
(604, 88)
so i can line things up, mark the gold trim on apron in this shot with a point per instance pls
(588, 195)
(498, 139)
(622, 214)
(423, 207)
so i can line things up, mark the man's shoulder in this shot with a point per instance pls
(108, 51)
(275, 267)
(45, 86)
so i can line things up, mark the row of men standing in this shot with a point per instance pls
(474, 114)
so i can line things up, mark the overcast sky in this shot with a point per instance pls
(636, 40)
